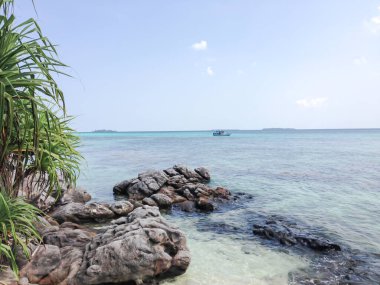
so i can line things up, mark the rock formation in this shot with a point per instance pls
(137, 248)
(179, 186)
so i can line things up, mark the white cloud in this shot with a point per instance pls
(210, 71)
(376, 20)
(360, 60)
(373, 24)
(202, 45)
(311, 102)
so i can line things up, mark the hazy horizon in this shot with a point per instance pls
(236, 130)
(170, 65)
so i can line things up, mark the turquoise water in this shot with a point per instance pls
(325, 179)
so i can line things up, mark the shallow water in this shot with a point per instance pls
(328, 180)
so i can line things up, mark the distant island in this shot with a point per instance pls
(278, 129)
(104, 131)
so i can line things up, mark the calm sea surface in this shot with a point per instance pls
(325, 179)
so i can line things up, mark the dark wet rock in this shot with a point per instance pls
(137, 248)
(121, 188)
(290, 234)
(222, 193)
(175, 185)
(205, 204)
(187, 206)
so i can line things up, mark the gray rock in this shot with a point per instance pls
(203, 172)
(162, 200)
(7, 276)
(149, 201)
(75, 195)
(138, 191)
(141, 249)
(77, 212)
(173, 186)
(121, 188)
(122, 208)
(171, 172)
(69, 234)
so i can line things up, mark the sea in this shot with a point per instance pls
(328, 181)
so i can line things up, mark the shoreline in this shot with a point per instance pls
(272, 231)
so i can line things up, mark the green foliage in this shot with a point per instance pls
(37, 146)
(16, 227)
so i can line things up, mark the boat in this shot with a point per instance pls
(220, 133)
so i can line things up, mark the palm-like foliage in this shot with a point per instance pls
(37, 147)
(16, 227)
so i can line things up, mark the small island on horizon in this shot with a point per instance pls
(104, 131)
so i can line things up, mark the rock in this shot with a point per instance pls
(289, 234)
(162, 200)
(7, 277)
(121, 188)
(69, 234)
(189, 174)
(141, 249)
(173, 186)
(149, 201)
(204, 204)
(203, 172)
(187, 206)
(77, 212)
(223, 193)
(74, 195)
(153, 179)
(44, 260)
(171, 172)
(122, 208)
(177, 181)
(23, 281)
(52, 265)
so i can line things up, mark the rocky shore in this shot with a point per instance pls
(126, 242)
(130, 242)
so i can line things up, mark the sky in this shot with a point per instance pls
(165, 65)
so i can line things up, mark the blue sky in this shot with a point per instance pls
(198, 65)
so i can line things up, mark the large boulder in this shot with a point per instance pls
(77, 212)
(68, 234)
(137, 248)
(51, 265)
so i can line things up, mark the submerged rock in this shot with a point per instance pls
(290, 234)
(176, 185)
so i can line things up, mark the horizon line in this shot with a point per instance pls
(240, 130)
